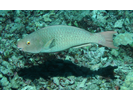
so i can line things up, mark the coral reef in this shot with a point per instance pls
(128, 85)
(88, 68)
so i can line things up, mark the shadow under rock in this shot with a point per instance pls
(62, 68)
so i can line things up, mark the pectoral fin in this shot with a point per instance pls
(49, 44)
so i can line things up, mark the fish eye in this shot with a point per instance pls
(28, 42)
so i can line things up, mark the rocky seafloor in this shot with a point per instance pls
(88, 68)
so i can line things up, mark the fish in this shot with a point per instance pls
(61, 37)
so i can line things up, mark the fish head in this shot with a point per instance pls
(29, 44)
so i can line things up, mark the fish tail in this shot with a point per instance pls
(107, 39)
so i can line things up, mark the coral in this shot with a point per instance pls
(114, 52)
(29, 88)
(47, 17)
(4, 82)
(118, 24)
(128, 83)
(123, 39)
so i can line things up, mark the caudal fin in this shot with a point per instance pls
(107, 39)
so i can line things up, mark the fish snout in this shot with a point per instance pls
(21, 49)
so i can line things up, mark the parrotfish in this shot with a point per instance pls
(61, 37)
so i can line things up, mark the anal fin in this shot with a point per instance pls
(83, 45)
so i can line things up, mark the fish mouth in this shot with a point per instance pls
(21, 49)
